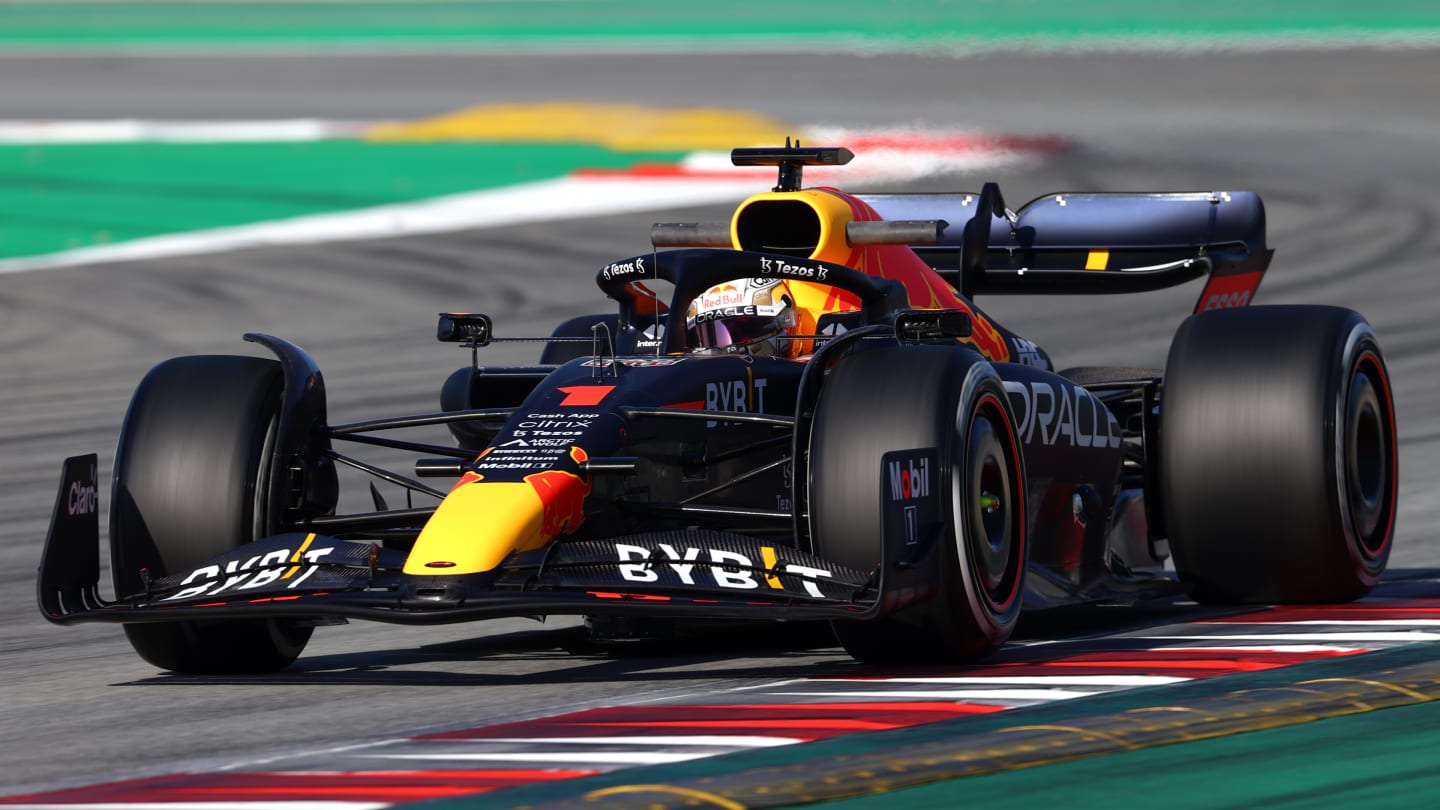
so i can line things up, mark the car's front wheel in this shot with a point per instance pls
(192, 481)
(884, 417)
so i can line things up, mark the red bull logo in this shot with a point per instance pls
(722, 295)
(562, 499)
(721, 300)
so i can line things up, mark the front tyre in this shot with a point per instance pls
(905, 398)
(1278, 455)
(192, 475)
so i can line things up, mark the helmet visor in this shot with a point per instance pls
(740, 330)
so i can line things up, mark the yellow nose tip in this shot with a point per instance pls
(480, 523)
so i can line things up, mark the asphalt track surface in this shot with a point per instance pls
(1341, 144)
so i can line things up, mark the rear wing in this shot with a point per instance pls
(1093, 242)
(1086, 242)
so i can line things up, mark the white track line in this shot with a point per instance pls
(1056, 680)
(142, 131)
(1416, 635)
(567, 757)
(1342, 623)
(712, 740)
(955, 694)
(1278, 649)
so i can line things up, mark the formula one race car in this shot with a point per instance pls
(893, 460)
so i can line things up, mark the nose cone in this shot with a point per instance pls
(480, 522)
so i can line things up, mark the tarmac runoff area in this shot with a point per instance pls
(1352, 732)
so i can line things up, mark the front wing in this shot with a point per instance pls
(308, 575)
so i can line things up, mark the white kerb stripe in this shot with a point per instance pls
(1038, 680)
(1350, 622)
(956, 694)
(572, 758)
(139, 131)
(1416, 635)
(713, 740)
(1268, 648)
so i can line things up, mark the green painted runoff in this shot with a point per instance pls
(1382, 760)
(57, 197)
(67, 196)
(567, 23)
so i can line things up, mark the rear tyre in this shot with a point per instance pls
(904, 398)
(192, 476)
(1278, 455)
(559, 352)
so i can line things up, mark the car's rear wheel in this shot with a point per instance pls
(192, 475)
(923, 398)
(1278, 455)
(581, 338)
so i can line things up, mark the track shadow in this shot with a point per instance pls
(696, 650)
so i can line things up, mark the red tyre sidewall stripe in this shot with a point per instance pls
(1014, 460)
(1379, 375)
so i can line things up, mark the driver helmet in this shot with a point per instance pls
(751, 315)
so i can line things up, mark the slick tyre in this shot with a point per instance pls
(563, 351)
(1278, 455)
(904, 398)
(192, 474)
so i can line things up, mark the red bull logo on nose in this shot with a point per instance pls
(562, 497)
